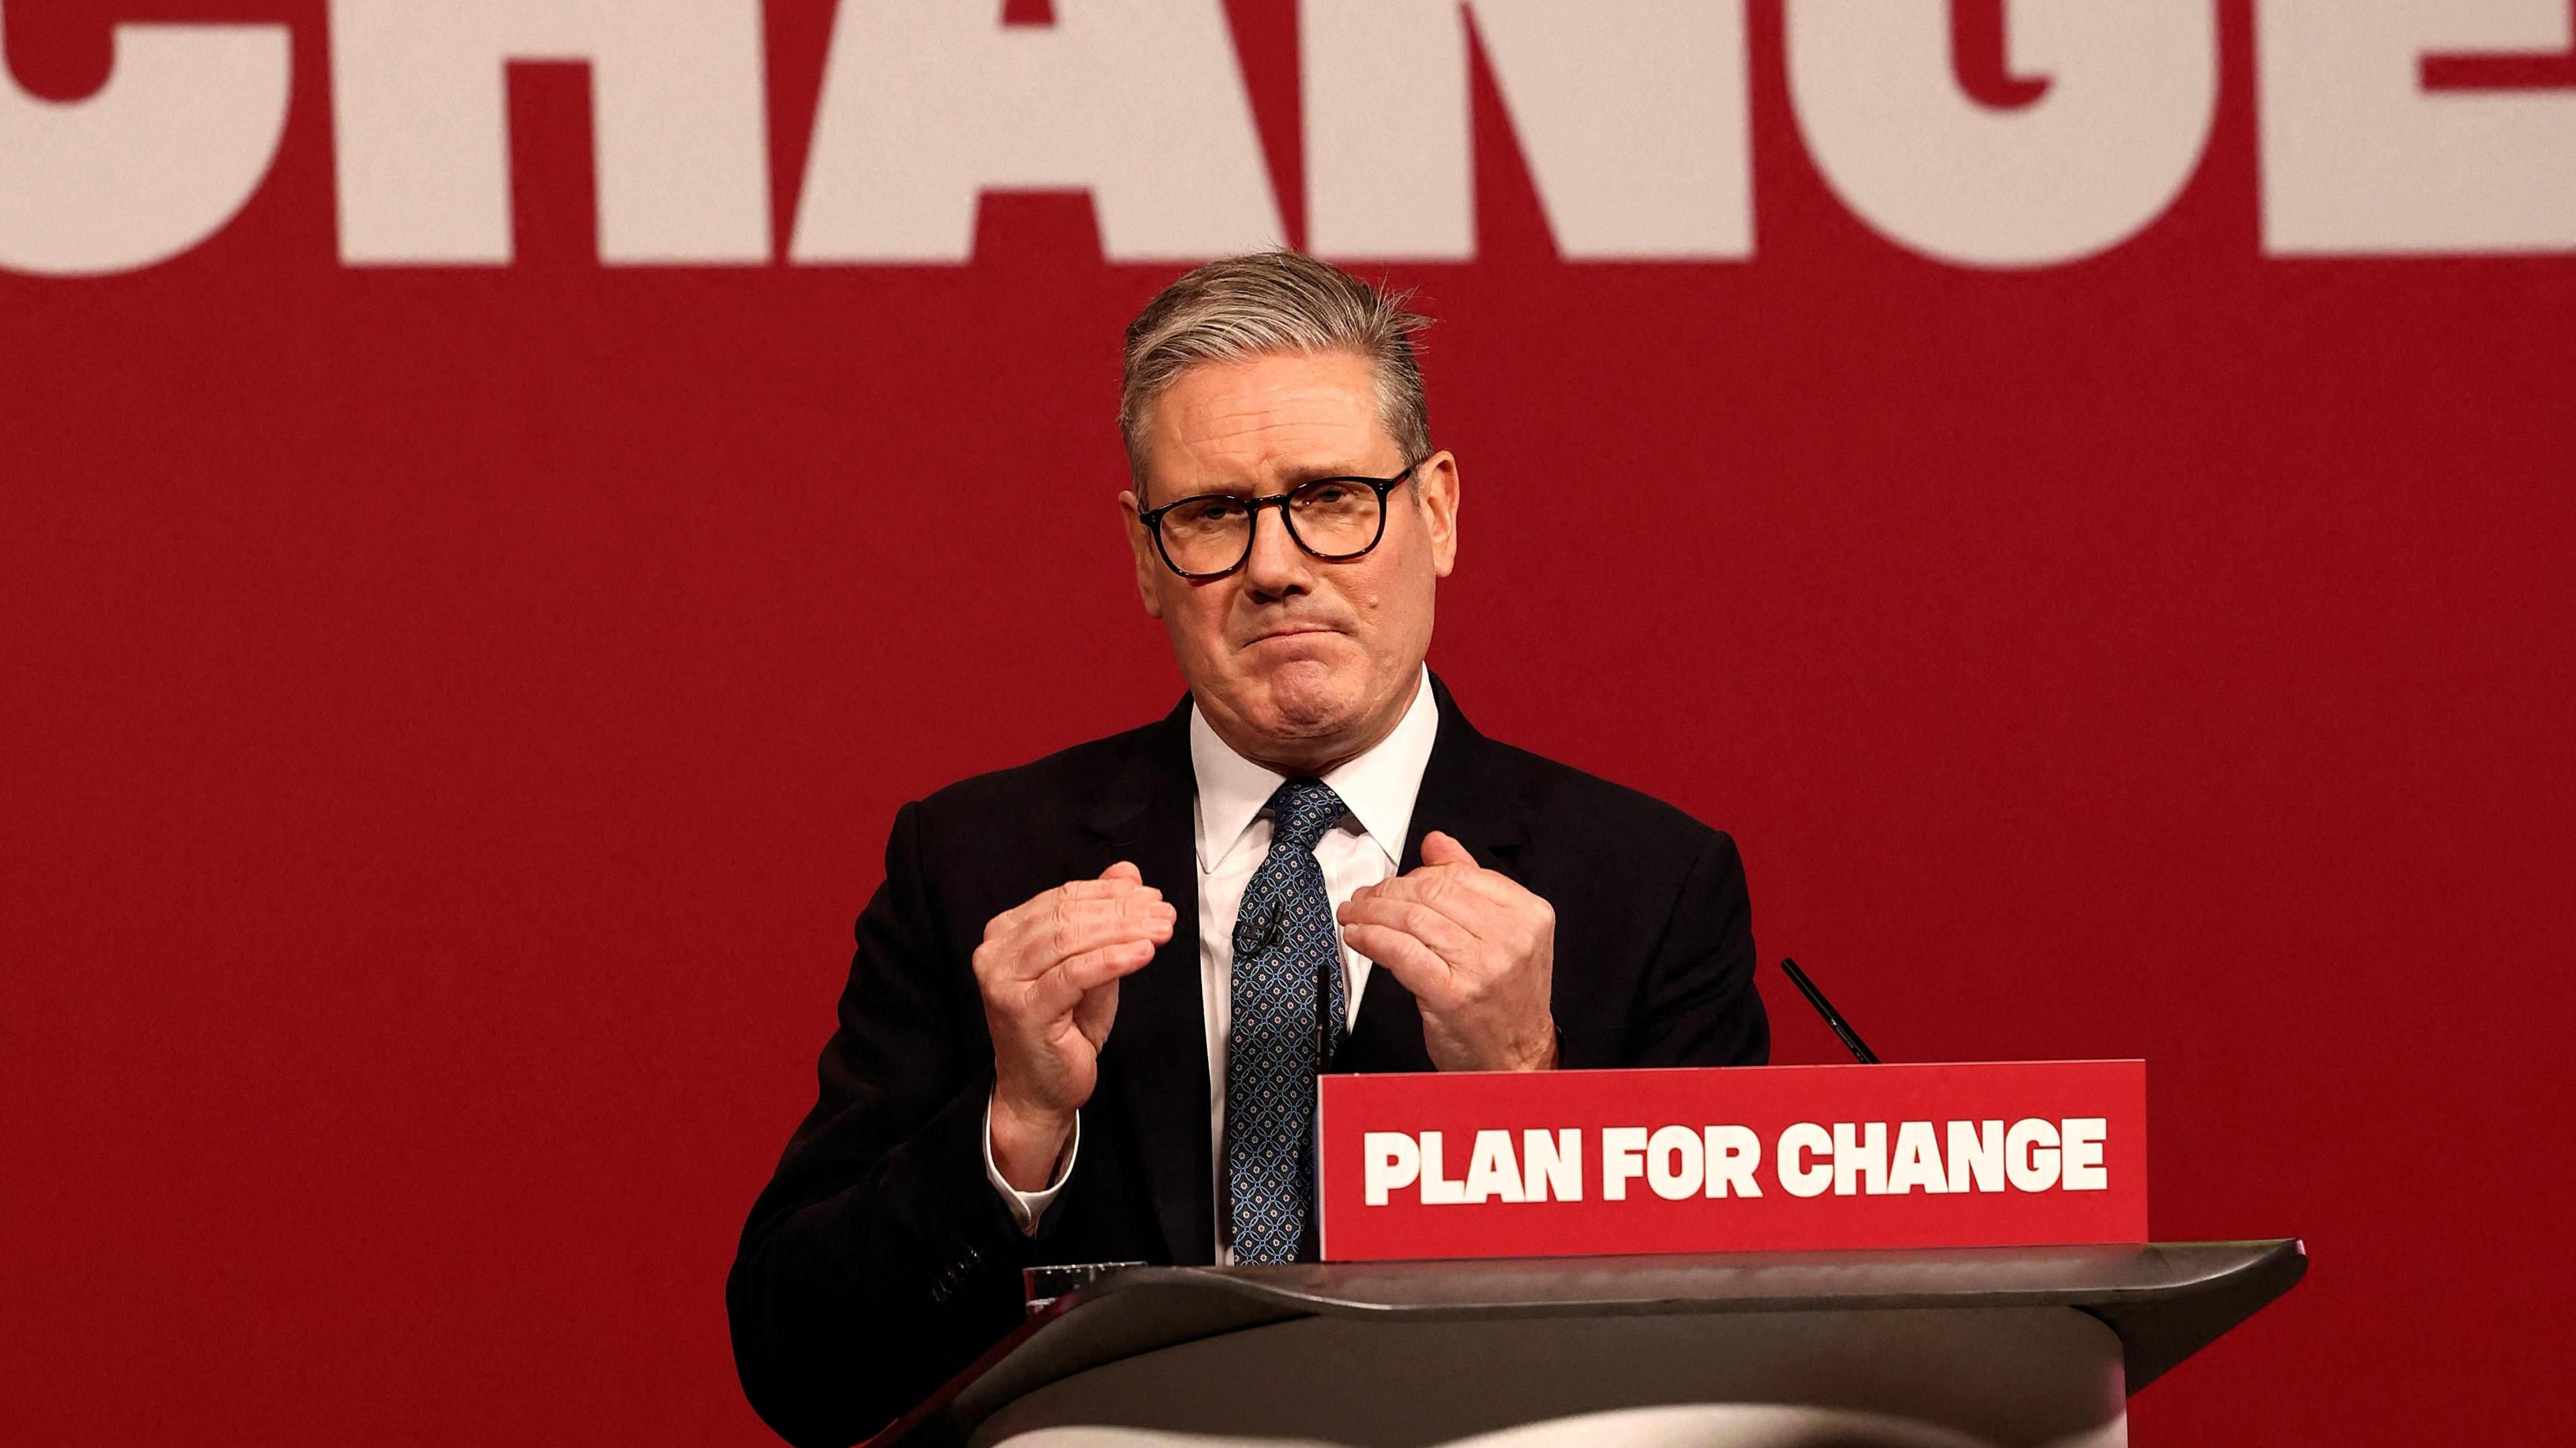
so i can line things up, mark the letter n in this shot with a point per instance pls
(927, 104)
(1633, 118)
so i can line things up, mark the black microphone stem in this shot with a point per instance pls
(1850, 1038)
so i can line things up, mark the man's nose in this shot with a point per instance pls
(1277, 565)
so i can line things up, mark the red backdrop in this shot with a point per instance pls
(448, 719)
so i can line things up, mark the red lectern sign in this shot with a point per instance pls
(1780, 1158)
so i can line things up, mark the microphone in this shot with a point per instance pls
(1254, 934)
(1850, 1038)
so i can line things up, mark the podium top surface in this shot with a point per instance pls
(2165, 1301)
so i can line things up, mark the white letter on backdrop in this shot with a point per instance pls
(1633, 118)
(679, 121)
(2132, 93)
(927, 106)
(158, 160)
(2359, 159)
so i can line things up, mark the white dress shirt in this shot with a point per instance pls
(1377, 791)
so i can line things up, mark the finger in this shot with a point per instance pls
(1095, 968)
(1136, 906)
(1062, 991)
(1047, 945)
(1442, 848)
(1124, 870)
(1045, 902)
(1030, 942)
(1413, 963)
(1452, 940)
(1107, 887)
(1449, 889)
(1095, 1012)
(1414, 884)
(1030, 922)
(1431, 884)
(1495, 914)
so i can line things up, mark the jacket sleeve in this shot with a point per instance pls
(879, 1261)
(1696, 1004)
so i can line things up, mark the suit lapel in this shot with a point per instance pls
(1467, 792)
(1157, 1050)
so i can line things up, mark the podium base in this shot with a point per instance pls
(2032, 1377)
(2033, 1347)
(1698, 1426)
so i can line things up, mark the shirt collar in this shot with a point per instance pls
(1378, 787)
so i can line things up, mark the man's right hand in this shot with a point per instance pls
(1049, 971)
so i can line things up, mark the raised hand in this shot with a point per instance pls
(1049, 972)
(1477, 951)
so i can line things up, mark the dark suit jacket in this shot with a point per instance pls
(880, 1260)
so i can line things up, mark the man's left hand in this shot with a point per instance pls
(1477, 951)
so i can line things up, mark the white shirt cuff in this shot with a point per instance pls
(1028, 1207)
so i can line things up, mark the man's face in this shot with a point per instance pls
(1296, 662)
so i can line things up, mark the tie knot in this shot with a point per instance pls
(1301, 810)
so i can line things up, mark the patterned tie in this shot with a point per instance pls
(1285, 952)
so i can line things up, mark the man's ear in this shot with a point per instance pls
(1435, 483)
(1146, 563)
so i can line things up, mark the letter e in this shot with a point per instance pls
(2082, 1169)
(2359, 159)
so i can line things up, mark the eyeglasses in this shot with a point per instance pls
(1210, 535)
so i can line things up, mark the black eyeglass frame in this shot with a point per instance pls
(1152, 518)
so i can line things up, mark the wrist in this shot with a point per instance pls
(1540, 1052)
(1028, 1141)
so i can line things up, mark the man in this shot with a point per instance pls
(1089, 1003)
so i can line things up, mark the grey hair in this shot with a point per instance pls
(1266, 304)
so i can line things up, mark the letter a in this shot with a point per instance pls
(927, 106)
(1634, 119)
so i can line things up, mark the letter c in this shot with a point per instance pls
(1797, 1175)
(161, 158)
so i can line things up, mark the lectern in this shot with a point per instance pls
(2012, 1347)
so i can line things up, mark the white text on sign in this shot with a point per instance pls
(1675, 1162)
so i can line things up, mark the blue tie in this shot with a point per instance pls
(1286, 952)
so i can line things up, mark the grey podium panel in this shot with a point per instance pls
(2023, 1346)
